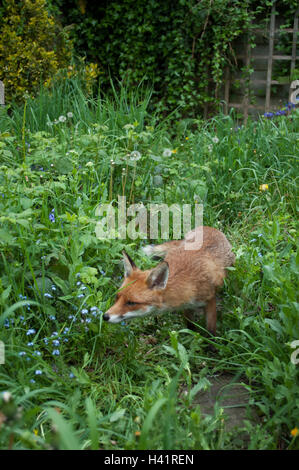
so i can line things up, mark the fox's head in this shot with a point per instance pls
(140, 293)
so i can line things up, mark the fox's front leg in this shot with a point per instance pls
(211, 315)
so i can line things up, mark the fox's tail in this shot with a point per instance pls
(160, 251)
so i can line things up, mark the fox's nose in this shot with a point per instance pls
(106, 316)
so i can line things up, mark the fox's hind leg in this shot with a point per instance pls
(192, 317)
(189, 317)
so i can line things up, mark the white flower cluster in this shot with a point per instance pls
(61, 118)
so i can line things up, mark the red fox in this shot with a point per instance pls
(186, 279)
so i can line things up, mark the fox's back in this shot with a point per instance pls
(196, 273)
(213, 243)
(202, 241)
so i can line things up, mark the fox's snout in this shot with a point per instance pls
(112, 318)
(128, 315)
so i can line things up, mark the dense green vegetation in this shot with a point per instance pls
(179, 48)
(73, 382)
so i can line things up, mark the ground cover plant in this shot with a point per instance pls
(70, 381)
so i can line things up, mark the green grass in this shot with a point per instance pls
(125, 388)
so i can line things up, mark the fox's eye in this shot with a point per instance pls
(131, 303)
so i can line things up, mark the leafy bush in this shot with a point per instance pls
(32, 47)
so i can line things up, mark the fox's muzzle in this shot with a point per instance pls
(112, 318)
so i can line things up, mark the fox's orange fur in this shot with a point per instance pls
(186, 279)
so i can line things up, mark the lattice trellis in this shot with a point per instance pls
(248, 56)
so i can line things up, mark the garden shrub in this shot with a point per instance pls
(32, 46)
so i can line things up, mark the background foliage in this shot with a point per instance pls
(179, 47)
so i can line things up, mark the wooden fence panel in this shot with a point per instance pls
(2, 96)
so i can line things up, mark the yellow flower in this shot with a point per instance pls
(174, 150)
(295, 432)
(35, 431)
(264, 187)
(187, 138)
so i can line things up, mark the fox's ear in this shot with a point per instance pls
(158, 277)
(129, 264)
